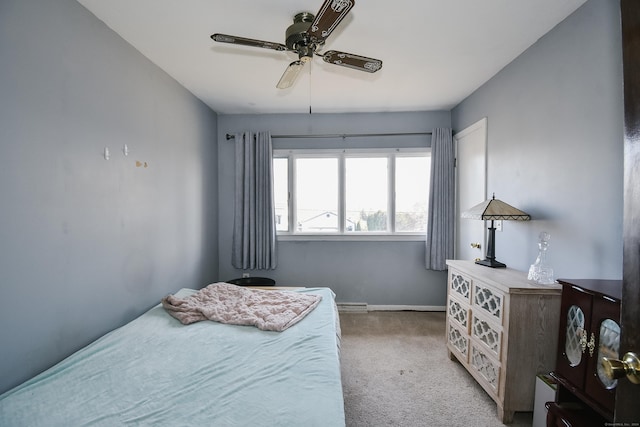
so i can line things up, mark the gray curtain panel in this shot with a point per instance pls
(254, 228)
(441, 220)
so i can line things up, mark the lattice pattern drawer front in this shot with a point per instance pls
(459, 313)
(460, 341)
(487, 367)
(460, 285)
(488, 300)
(488, 334)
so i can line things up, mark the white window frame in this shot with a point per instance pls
(341, 155)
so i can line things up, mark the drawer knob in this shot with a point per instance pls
(629, 366)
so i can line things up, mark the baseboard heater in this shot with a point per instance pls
(363, 307)
(353, 307)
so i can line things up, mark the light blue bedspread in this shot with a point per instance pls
(154, 371)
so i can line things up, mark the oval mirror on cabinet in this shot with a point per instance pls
(609, 347)
(575, 335)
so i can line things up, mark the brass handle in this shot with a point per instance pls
(583, 340)
(629, 366)
(475, 245)
(592, 344)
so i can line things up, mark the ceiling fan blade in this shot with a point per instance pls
(350, 60)
(290, 74)
(225, 38)
(331, 13)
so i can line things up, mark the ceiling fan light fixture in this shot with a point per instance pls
(290, 74)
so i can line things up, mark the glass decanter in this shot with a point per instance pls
(540, 272)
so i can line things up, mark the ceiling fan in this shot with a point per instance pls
(305, 36)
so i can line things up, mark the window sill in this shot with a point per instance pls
(352, 237)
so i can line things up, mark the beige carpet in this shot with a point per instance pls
(396, 372)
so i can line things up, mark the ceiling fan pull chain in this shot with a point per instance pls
(310, 66)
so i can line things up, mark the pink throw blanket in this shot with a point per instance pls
(222, 302)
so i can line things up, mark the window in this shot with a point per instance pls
(365, 194)
(351, 192)
(411, 198)
(281, 193)
(316, 195)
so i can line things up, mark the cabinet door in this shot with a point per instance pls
(575, 319)
(604, 341)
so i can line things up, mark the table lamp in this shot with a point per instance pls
(494, 210)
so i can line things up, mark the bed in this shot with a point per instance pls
(155, 371)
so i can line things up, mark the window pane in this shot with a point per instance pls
(281, 193)
(412, 193)
(366, 186)
(317, 195)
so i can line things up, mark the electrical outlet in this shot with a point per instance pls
(245, 275)
(499, 225)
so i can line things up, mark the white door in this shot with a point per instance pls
(471, 178)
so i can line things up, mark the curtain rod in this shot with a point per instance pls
(341, 135)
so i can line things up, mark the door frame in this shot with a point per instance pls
(480, 124)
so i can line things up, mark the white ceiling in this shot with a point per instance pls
(434, 52)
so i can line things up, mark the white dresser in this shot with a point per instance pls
(503, 329)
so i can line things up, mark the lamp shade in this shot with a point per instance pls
(494, 209)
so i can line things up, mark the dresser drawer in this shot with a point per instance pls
(459, 313)
(460, 285)
(488, 301)
(487, 367)
(488, 334)
(458, 342)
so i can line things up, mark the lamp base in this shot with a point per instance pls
(491, 263)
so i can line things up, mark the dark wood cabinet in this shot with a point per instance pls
(589, 330)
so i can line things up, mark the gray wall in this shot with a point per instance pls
(88, 244)
(555, 144)
(378, 273)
